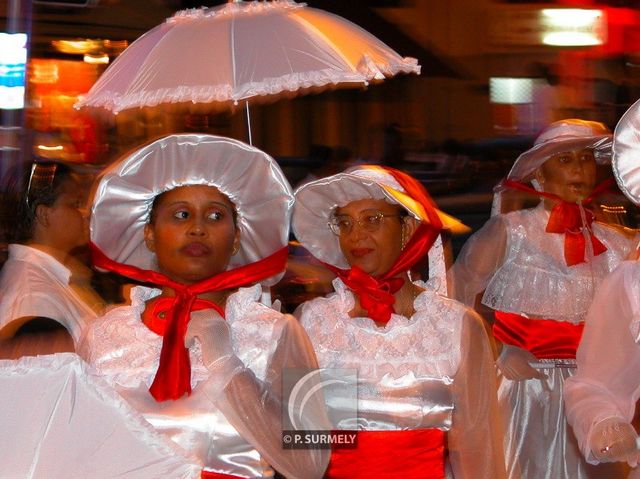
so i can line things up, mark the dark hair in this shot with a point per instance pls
(35, 184)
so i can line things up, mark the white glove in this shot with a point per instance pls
(614, 439)
(214, 336)
(514, 364)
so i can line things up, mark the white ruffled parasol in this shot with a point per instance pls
(258, 50)
(61, 421)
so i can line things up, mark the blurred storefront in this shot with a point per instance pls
(59, 131)
(489, 70)
(586, 46)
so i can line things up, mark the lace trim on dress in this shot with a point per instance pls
(367, 70)
(534, 279)
(125, 351)
(427, 344)
(130, 362)
(536, 292)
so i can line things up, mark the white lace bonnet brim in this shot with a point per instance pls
(563, 136)
(250, 178)
(316, 201)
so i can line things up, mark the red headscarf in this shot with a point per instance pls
(173, 378)
(376, 294)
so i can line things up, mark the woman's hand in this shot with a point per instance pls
(514, 363)
(614, 439)
(214, 336)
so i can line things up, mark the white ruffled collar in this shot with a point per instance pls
(237, 303)
(344, 301)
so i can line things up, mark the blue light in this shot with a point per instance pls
(13, 65)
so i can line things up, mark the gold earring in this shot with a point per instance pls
(403, 238)
(236, 248)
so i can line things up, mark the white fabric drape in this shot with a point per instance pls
(60, 421)
(442, 341)
(230, 422)
(607, 383)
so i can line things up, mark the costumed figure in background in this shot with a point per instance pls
(601, 398)
(539, 269)
(40, 292)
(205, 219)
(425, 374)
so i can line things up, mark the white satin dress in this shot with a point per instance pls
(522, 270)
(433, 370)
(607, 382)
(223, 428)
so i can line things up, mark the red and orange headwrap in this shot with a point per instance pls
(316, 202)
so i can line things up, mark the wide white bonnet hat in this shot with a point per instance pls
(316, 201)
(559, 137)
(626, 153)
(250, 178)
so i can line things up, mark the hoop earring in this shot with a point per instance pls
(403, 237)
(236, 248)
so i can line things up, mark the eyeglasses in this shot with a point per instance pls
(367, 220)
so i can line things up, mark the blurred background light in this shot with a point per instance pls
(511, 91)
(96, 59)
(77, 46)
(573, 27)
(13, 60)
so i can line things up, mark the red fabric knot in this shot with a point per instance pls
(571, 219)
(376, 294)
(159, 309)
(568, 219)
(173, 377)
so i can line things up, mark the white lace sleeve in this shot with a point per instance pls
(254, 407)
(475, 439)
(478, 260)
(607, 383)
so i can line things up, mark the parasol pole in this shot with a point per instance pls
(246, 104)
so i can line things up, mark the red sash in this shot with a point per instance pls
(416, 454)
(217, 475)
(544, 338)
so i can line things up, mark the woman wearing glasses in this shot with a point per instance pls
(420, 362)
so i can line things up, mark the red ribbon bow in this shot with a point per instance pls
(173, 378)
(158, 309)
(376, 294)
(570, 219)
